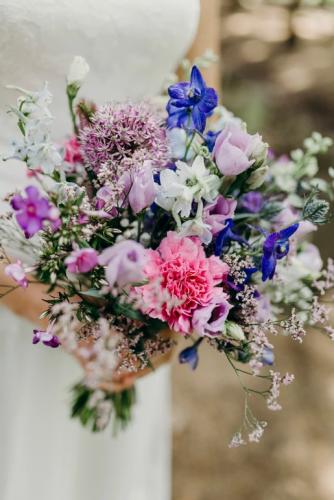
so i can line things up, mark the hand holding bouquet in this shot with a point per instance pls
(147, 222)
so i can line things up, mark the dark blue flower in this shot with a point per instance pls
(190, 355)
(275, 247)
(191, 102)
(226, 236)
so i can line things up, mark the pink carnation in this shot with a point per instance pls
(186, 278)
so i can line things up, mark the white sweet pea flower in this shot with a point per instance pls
(78, 71)
(196, 227)
(178, 190)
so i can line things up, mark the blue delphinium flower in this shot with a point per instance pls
(226, 236)
(190, 354)
(275, 247)
(191, 102)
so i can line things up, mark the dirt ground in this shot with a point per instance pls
(278, 75)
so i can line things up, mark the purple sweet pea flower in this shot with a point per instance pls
(125, 262)
(209, 321)
(81, 261)
(275, 247)
(234, 149)
(46, 337)
(252, 202)
(215, 214)
(140, 187)
(191, 102)
(33, 210)
(17, 273)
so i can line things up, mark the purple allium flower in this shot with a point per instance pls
(123, 135)
(81, 261)
(275, 247)
(209, 321)
(33, 210)
(17, 273)
(215, 214)
(140, 187)
(191, 102)
(125, 262)
(252, 202)
(46, 337)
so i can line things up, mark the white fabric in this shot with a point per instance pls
(131, 46)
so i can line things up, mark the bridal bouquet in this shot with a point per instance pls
(149, 224)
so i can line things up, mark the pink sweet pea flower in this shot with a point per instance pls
(234, 149)
(17, 273)
(216, 214)
(139, 187)
(125, 262)
(33, 210)
(209, 321)
(82, 260)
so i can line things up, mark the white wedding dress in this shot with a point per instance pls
(131, 46)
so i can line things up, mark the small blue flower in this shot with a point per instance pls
(268, 356)
(226, 236)
(275, 247)
(191, 102)
(190, 355)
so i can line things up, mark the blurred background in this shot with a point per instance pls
(278, 75)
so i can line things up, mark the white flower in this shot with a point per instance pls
(178, 190)
(178, 143)
(196, 227)
(78, 71)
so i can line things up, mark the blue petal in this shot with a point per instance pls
(268, 267)
(179, 90)
(196, 79)
(199, 119)
(209, 101)
(289, 231)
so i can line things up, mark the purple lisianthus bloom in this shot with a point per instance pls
(252, 202)
(189, 355)
(140, 187)
(125, 262)
(17, 273)
(81, 261)
(208, 321)
(215, 214)
(235, 149)
(191, 102)
(33, 210)
(46, 337)
(275, 247)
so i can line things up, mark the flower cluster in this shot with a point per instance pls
(157, 223)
